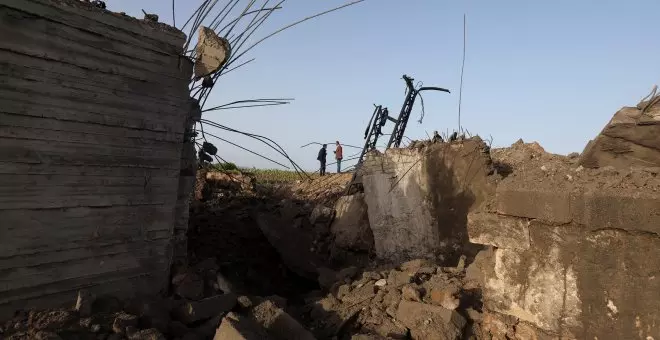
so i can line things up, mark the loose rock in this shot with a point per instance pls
(194, 311)
(123, 320)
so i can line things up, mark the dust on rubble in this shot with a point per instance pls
(417, 300)
(529, 165)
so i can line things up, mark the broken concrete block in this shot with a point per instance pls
(321, 215)
(84, 302)
(630, 138)
(123, 320)
(212, 52)
(52, 320)
(410, 293)
(498, 230)
(413, 266)
(397, 279)
(194, 311)
(428, 322)
(236, 327)
(279, 324)
(351, 224)
(446, 297)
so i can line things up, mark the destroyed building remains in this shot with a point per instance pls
(109, 231)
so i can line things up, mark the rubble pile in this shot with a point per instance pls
(322, 190)
(416, 300)
(530, 162)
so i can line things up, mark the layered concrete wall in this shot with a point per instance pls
(418, 198)
(93, 108)
(575, 254)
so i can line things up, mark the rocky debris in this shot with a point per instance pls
(323, 190)
(122, 321)
(227, 230)
(415, 300)
(221, 182)
(52, 320)
(428, 322)
(146, 334)
(194, 311)
(279, 324)
(42, 335)
(411, 293)
(237, 327)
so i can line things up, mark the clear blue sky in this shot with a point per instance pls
(552, 72)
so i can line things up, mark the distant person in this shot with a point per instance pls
(339, 155)
(321, 158)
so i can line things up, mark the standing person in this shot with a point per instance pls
(321, 158)
(339, 155)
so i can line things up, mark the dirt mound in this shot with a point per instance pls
(528, 165)
(323, 190)
(521, 155)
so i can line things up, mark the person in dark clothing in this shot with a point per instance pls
(321, 158)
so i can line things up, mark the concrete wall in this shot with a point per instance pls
(574, 260)
(93, 108)
(418, 198)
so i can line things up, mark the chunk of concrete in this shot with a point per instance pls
(52, 320)
(629, 139)
(279, 324)
(498, 230)
(413, 266)
(193, 311)
(429, 322)
(321, 215)
(397, 279)
(236, 327)
(212, 52)
(122, 321)
(417, 199)
(351, 224)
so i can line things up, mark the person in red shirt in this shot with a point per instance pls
(339, 155)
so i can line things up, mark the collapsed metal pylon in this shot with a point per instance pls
(380, 117)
